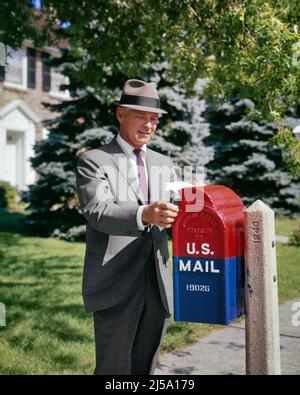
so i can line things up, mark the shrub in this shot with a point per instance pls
(8, 195)
(76, 233)
(295, 237)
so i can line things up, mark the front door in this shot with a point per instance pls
(14, 166)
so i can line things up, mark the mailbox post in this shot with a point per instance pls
(208, 260)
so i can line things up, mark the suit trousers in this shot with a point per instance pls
(127, 336)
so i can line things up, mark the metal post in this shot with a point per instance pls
(262, 320)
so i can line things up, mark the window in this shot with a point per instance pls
(31, 68)
(46, 73)
(16, 69)
(52, 79)
(58, 79)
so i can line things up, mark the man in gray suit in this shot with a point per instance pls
(127, 280)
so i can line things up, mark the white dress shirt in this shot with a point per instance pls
(128, 151)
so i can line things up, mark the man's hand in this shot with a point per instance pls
(159, 213)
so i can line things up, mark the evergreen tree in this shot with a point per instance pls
(88, 121)
(181, 132)
(243, 160)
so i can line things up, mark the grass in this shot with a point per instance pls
(288, 270)
(47, 330)
(284, 226)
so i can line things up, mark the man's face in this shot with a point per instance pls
(136, 127)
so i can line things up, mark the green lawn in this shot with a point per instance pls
(284, 226)
(47, 330)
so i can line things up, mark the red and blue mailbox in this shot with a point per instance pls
(208, 248)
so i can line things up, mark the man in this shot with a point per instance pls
(126, 278)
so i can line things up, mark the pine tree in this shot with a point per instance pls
(52, 199)
(243, 160)
(88, 121)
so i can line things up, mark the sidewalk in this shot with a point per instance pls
(222, 352)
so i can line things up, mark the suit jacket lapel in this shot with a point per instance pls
(122, 163)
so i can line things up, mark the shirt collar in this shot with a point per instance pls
(127, 148)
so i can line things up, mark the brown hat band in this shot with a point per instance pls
(140, 101)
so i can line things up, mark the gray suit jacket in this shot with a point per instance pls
(116, 250)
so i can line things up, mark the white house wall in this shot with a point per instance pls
(18, 121)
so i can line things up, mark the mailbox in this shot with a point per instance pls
(208, 247)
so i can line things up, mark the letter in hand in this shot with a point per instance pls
(160, 213)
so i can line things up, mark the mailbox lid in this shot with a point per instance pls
(218, 196)
(220, 222)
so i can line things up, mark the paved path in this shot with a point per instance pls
(282, 239)
(222, 352)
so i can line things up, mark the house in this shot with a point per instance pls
(26, 83)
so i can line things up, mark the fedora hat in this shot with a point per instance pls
(140, 95)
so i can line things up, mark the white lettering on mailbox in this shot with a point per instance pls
(205, 248)
(206, 267)
(191, 249)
